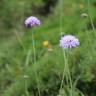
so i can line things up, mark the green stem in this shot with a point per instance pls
(70, 79)
(26, 91)
(66, 74)
(92, 24)
(61, 18)
(33, 42)
(64, 70)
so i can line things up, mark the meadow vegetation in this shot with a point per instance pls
(17, 66)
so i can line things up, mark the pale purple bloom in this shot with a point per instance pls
(69, 41)
(31, 21)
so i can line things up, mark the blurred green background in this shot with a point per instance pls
(16, 49)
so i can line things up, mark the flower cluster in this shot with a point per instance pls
(69, 41)
(31, 21)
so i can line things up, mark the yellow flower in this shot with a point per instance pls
(45, 43)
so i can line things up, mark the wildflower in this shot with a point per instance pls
(84, 15)
(30, 21)
(45, 43)
(69, 41)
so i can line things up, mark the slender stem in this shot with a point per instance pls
(89, 43)
(26, 91)
(64, 75)
(33, 42)
(92, 24)
(70, 79)
(61, 17)
(64, 70)
(34, 52)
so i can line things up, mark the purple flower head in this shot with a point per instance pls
(31, 21)
(69, 41)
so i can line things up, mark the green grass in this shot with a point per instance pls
(49, 65)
